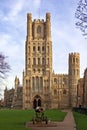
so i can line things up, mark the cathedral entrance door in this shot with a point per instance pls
(37, 101)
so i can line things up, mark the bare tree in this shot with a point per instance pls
(4, 66)
(81, 15)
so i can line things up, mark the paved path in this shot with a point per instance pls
(67, 124)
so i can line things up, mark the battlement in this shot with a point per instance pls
(74, 54)
(59, 75)
(29, 16)
(38, 20)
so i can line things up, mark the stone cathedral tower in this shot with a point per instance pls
(38, 63)
(74, 76)
(41, 86)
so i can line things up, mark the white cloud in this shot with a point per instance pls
(37, 3)
(14, 9)
(15, 53)
(4, 40)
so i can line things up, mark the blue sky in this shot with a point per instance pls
(66, 38)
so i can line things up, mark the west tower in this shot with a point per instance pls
(41, 87)
(38, 63)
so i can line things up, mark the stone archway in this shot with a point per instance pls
(34, 103)
(37, 101)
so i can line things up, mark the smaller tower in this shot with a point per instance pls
(17, 82)
(16, 100)
(74, 76)
(5, 96)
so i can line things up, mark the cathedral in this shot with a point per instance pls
(41, 86)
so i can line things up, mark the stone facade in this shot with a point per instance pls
(13, 98)
(85, 88)
(17, 102)
(1, 103)
(74, 76)
(41, 86)
(8, 97)
(80, 92)
(38, 70)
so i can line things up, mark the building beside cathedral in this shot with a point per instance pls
(85, 88)
(41, 86)
(8, 97)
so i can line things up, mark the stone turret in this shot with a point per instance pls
(74, 75)
(48, 27)
(17, 82)
(29, 26)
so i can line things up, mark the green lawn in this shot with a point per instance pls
(16, 119)
(55, 115)
(81, 121)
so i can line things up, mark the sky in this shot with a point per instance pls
(66, 38)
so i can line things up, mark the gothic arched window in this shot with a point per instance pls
(55, 92)
(64, 91)
(55, 80)
(39, 29)
(43, 61)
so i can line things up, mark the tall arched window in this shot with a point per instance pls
(64, 91)
(43, 61)
(41, 84)
(37, 83)
(38, 61)
(55, 80)
(33, 83)
(39, 29)
(34, 61)
(55, 92)
(48, 61)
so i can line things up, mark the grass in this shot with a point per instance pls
(55, 115)
(81, 121)
(16, 119)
